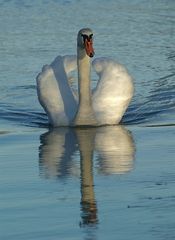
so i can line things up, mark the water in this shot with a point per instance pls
(109, 182)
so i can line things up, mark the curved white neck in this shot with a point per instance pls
(85, 114)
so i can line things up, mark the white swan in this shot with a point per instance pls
(105, 105)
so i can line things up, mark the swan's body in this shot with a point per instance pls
(105, 105)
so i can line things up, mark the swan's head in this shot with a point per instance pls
(85, 41)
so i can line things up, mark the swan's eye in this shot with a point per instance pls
(90, 36)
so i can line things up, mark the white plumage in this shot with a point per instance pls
(109, 99)
(113, 92)
(54, 91)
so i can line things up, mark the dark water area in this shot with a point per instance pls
(114, 182)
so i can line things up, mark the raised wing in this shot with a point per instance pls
(54, 92)
(113, 92)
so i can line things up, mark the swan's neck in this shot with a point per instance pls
(85, 114)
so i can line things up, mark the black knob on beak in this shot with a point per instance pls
(91, 55)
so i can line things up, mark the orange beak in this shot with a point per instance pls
(89, 47)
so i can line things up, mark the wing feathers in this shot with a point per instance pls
(54, 92)
(113, 92)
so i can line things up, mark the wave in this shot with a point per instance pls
(19, 106)
(158, 106)
(23, 117)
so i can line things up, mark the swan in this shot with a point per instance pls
(104, 105)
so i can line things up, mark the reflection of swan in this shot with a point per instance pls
(88, 202)
(113, 146)
(114, 149)
(110, 98)
(54, 159)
